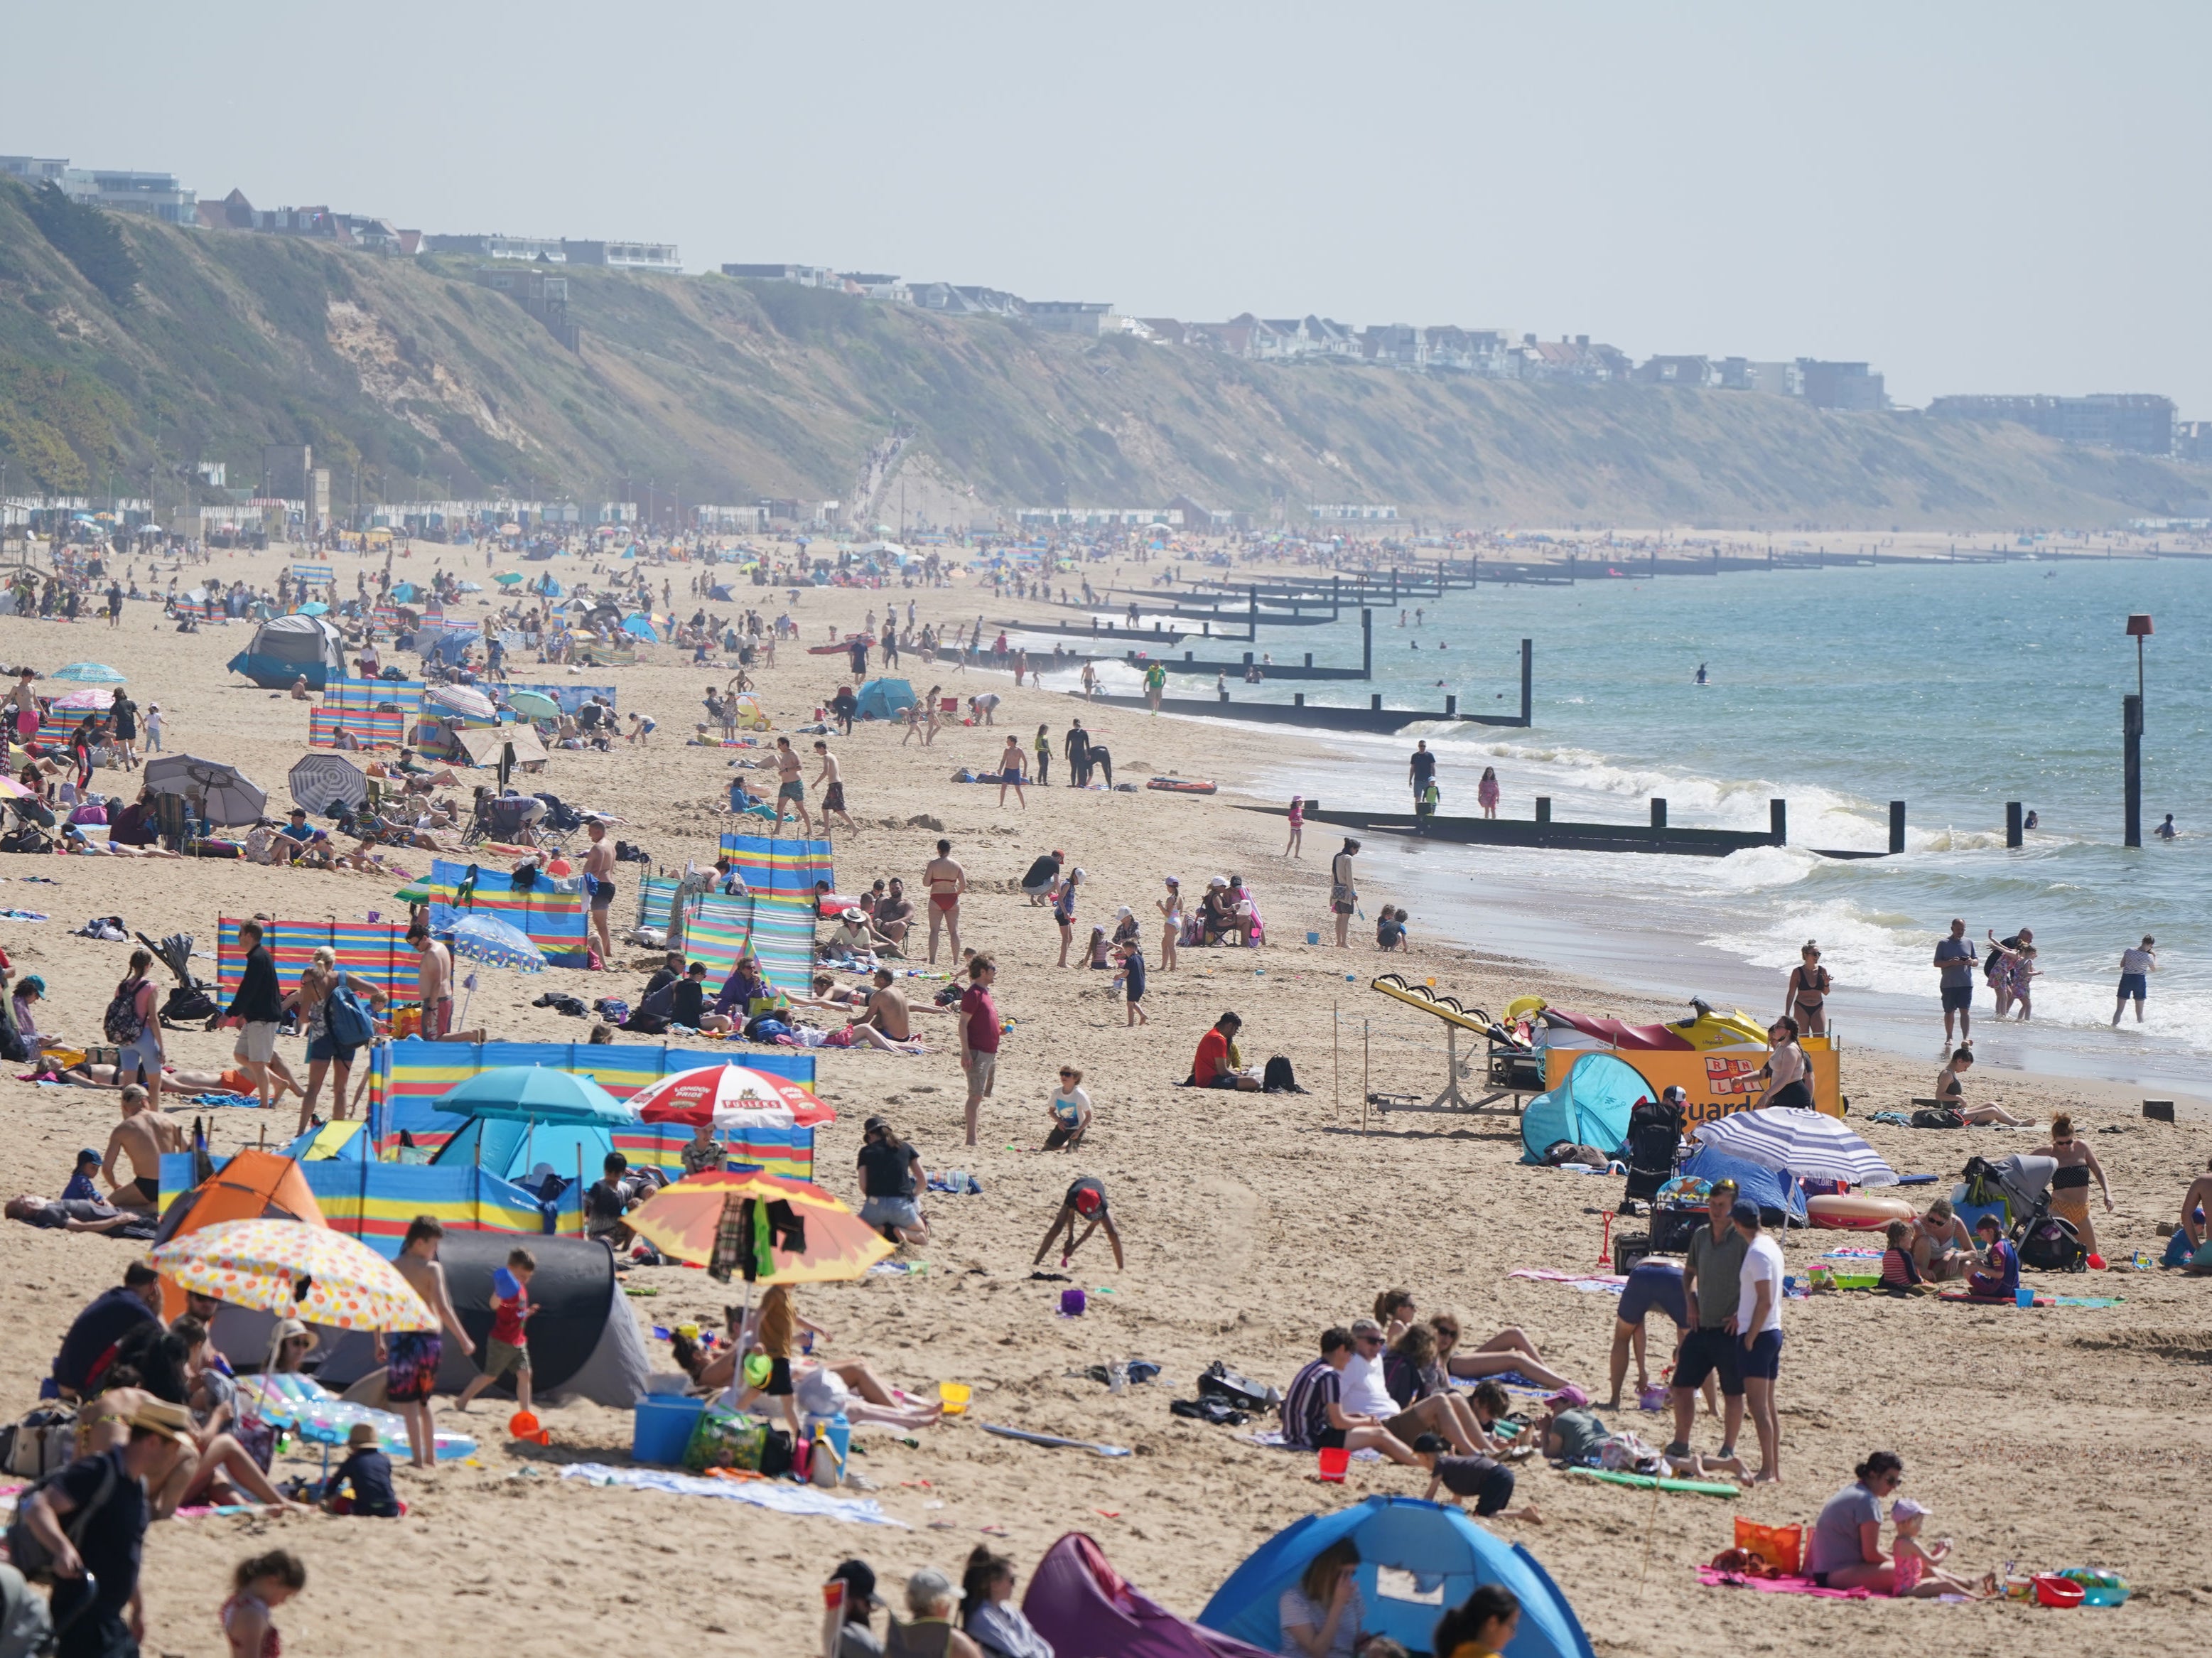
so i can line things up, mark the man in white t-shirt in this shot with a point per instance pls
(1756, 1326)
(2135, 966)
(1364, 1390)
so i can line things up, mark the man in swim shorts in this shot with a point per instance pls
(140, 1139)
(2136, 967)
(1954, 967)
(600, 876)
(791, 786)
(412, 1357)
(945, 881)
(1712, 1280)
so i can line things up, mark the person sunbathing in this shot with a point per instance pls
(1508, 1352)
(1950, 1096)
(68, 1214)
(887, 1023)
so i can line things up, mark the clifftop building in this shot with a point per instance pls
(2139, 422)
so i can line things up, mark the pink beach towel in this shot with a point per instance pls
(1713, 1579)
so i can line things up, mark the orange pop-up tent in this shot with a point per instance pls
(252, 1185)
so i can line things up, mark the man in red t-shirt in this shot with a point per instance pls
(1215, 1067)
(979, 1036)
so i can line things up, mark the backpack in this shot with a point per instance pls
(1277, 1078)
(346, 1019)
(1654, 1135)
(2050, 1244)
(1937, 1117)
(27, 1550)
(120, 1023)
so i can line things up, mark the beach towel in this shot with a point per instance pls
(2040, 1300)
(781, 1496)
(1713, 1579)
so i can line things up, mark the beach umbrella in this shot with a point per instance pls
(508, 578)
(534, 705)
(89, 673)
(681, 1221)
(461, 699)
(296, 1270)
(325, 781)
(225, 795)
(536, 1093)
(712, 1091)
(91, 699)
(1793, 1140)
(496, 943)
(11, 790)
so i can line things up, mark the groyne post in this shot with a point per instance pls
(1366, 644)
(1896, 827)
(1658, 813)
(1778, 814)
(1527, 679)
(2131, 727)
(1543, 808)
(2012, 817)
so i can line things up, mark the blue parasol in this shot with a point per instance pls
(496, 943)
(89, 673)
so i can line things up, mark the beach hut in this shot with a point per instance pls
(1416, 1560)
(1589, 1106)
(285, 648)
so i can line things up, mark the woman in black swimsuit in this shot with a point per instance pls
(1806, 1000)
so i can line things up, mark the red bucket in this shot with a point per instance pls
(1335, 1458)
(2059, 1592)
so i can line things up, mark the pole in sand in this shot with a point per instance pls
(1335, 1060)
(1363, 1076)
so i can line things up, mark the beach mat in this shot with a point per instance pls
(1644, 1482)
(1713, 1579)
(1963, 1299)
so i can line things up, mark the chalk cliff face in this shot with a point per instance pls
(702, 389)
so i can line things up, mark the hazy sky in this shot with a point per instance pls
(1974, 198)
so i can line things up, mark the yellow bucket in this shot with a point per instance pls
(954, 1395)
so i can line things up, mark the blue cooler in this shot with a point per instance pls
(663, 1427)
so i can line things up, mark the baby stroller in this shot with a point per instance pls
(192, 1002)
(29, 824)
(2046, 1242)
(1654, 1137)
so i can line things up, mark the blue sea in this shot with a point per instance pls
(1953, 687)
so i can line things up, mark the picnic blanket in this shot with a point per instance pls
(1713, 1579)
(781, 1494)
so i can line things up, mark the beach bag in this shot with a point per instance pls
(347, 1020)
(1277, 1078)
(1937, 1117)
(41, 1445)
(120, 1022)
(26, 1553)
(723, 1438)
(1217, 1380)
(2051, 1245)
(777, 1454)
(1779, 1546)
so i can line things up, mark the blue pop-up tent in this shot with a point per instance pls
(1417, 1560)
(1589, 1107)
(1775, 1193)
(885, 699)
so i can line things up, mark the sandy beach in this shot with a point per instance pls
(2054, 1437)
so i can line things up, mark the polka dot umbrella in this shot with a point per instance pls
(295, 1271)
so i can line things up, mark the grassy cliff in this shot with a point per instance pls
(720, 391)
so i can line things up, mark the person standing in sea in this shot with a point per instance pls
(1421, 769)
(1954, 967)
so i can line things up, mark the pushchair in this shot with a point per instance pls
(192, 1001)
(29, 824)
(2046, 1242)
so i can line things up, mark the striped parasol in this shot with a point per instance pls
(1796, 1141)
(711, 1092)
(323, 781)
(296, 1270)
(681, 1221)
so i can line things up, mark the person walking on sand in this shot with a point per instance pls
(1043, 746)
(1954, 968)
(1805, 997)
(832, 785)
(979, 1036)
(791, 787)
(1156, 679)
(1344, 896)
(1756, 1326)
(1296, 847)
(410, 1357)
(1170, 909)
(1010, 772)
(2136, 967)
(600, 873)
(1486, 792)
(929, 717)
(945, 881)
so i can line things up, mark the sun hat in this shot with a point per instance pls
(289, 1329)
(160, 1416)
(361, 1433)
(1218, 881)
(1905, 1509)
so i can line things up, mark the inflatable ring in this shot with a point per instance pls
(1855, 1212)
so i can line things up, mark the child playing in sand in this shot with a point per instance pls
(1085, 1201)
(365, 1475)
(1899, 1273)
(1919, 1565)
(1489, 1482)
(511, 1308)
(1071, 1113)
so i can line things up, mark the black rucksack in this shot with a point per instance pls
(2050, 1244)
(27, 1550)
(1654, 1135)
(1277, 1078)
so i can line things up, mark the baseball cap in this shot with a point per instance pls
(1677, 1094)
(1088, 1201)
(1745, 1213)
(1571, 1396)
(927, 1588)
(88, 1156)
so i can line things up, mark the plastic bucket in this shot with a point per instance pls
(954, 1395)
(1072, 1302)
(1313, 937)
(522, 1426)
(1335, 1458)
(2061, 1592)
(2023, 1296)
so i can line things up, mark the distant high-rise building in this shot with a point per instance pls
(1847, 385)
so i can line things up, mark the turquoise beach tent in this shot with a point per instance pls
(885, 699)
(1417, 1560)
(1589, 1107)
(508, 1148)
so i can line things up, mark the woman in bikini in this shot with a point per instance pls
(1789, 1082)
(2069, 1187)
(1806, 998)
(1950, 1094)
(1170, 909)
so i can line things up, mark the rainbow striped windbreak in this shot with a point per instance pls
(407, 1077)
(375, 951)
(375, 1201)
(555, 920)
(720, 928)
(372, 728)
(779, 865)
(365, 694)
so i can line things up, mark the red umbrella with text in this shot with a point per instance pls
(717, 1093)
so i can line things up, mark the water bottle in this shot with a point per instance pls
(1117, 1377)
